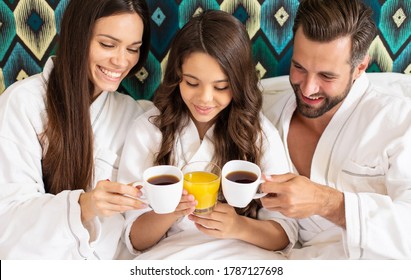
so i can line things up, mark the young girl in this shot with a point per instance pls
(61, 136)
(208, 108)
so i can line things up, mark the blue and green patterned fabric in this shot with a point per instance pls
(29, 31)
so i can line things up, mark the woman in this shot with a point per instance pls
(208, 108)
(61, 134)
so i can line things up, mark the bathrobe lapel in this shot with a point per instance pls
(190, 148)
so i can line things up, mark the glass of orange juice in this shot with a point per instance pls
(202, 180)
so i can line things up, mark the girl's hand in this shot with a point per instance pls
(109, 198)
(186, 206)
(223, 222)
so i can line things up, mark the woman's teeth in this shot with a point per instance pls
(113, 75)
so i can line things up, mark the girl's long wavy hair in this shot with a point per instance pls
(68, 163)
(237, 131)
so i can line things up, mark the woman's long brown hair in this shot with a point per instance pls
(68, 162)
(237, 131)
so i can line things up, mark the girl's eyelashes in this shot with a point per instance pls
(222, 88)
(106, 45)
(134, 50)
(216, 88)
(191, 84)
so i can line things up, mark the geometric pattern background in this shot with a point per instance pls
(29, 30)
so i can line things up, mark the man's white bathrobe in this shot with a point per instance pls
(365, 152)
(183, 240)
(38, 225)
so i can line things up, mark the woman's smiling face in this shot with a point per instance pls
(114, 50)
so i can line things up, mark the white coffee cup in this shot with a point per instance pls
(240, 180)
(162, 188)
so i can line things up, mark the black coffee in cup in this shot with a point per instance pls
(243, 177)
(161, 180)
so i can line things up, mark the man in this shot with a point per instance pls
(349, 145)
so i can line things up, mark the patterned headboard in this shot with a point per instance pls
(29, 29)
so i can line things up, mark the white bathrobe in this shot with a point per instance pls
(183, 240)
(365, 152)
(38, 225)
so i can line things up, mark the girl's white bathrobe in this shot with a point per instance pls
(365, 152)
(183, 240)
(38, 225)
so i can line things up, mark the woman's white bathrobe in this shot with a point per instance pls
(36, 225)
(365, 152)
(183, 240)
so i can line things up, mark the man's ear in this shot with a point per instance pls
(362, 66)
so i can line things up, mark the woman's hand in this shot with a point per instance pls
(109, 198)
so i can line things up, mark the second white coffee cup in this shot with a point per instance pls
(162, 188)
(240, 180)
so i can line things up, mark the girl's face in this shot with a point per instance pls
(205, 89)
(114, 50)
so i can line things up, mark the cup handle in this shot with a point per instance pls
(142, 198)
(260, 195)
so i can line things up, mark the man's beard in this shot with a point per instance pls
(328, 103)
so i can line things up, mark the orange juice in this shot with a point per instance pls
(204, 186)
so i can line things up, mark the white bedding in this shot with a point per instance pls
(194, 245)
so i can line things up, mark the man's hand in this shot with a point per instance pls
(298, 197)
